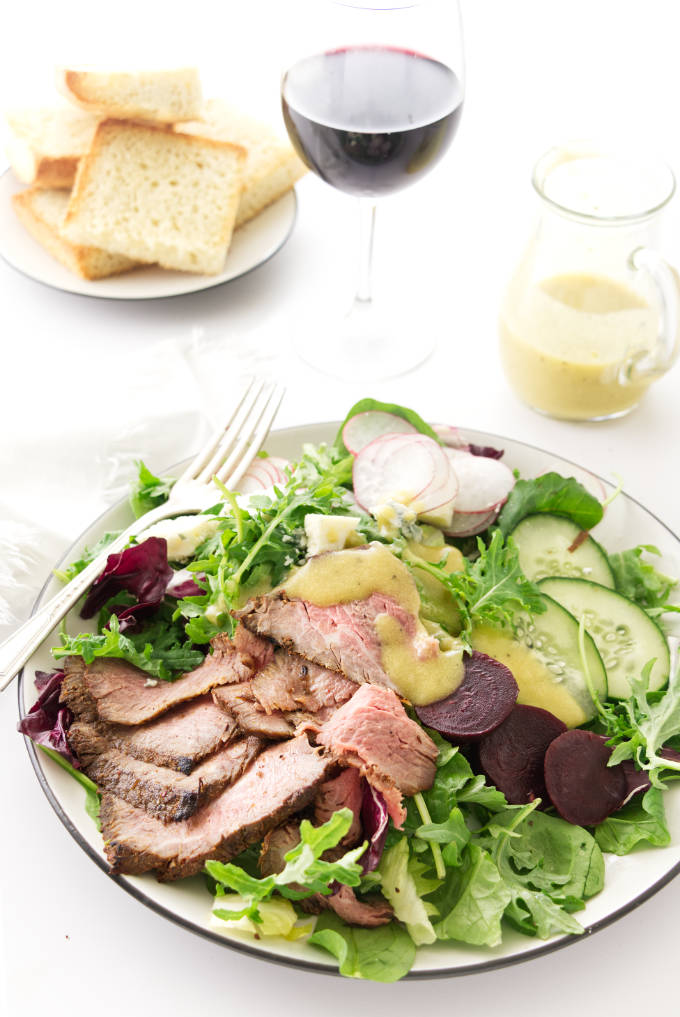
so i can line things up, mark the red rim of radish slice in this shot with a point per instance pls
(363, 428)
(484, 483)
(263, 474)
(394, 465)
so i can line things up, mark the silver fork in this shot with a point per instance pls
(226, 456)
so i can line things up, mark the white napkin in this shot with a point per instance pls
(55, 482)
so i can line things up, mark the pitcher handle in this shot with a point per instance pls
(644, 365)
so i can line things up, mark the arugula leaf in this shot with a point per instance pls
(165, 658)
(92, 799)
(641, 582)
(364, 405)
(149, 491)
(305, 872)
(492, 589)
(89, 554)
(638, 822)
(258, 545)
(640, 726)
(564, 496)
(384, 954)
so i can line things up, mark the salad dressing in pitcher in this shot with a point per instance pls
(563, 341)
(590, 316)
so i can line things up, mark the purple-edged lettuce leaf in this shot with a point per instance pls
(487, 451)
(48, 721)
(183, 584)
(374, 820)
(141, 570)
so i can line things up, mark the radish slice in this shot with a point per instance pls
(484, 483)
(466, 524)
(411, 469)
(263, 474)
(364, 427)
(451, 436)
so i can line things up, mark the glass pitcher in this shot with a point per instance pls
(590, 316)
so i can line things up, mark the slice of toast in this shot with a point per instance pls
(42, 211)
(158, 196)
(164, 96)
(44, 146)
(271, 167)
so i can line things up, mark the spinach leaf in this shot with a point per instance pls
(364, 405)
(472, 900)
(641, 821)
(384, 954)
(638, 580)
(564, 496)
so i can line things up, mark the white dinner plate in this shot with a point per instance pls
(629, 880)
(252, 244)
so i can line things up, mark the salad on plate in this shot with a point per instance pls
(387, 695)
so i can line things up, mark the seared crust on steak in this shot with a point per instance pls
(179, 738)
(288, 692)
(282, 780)
(165, 793)
(115, 691)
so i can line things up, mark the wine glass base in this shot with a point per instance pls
(368, 344)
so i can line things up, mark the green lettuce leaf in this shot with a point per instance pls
(92, 799)
(364, 405)
(384, 954)
(472, 900)
(564, 496)
(638, 580)
(641, 821)
(148, 491)
(403, 884)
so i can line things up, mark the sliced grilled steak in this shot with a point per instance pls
(289, 691)
(342, 792)
(373, 733)
(165, 793)
(119, 693)
(257, 651)
(341, 637)
(369, 913)
(179, 739)
(281, 781)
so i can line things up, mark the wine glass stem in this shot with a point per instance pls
(364, 293)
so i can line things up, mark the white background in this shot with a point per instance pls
(77, 373)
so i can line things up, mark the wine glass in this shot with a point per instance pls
(371, 101)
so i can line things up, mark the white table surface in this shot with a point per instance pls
(538, 73)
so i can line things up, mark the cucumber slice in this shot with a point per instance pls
(544, 540)
(625, 635)
(545, 659)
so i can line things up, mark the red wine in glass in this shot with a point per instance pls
(370, 120)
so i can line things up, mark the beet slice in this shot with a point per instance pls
(481, 702)
(512, 755)
(583, 789)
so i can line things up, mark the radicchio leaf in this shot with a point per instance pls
(374, 819)
(48, 721)
(142, 570)
(183, 584)
(488, 451)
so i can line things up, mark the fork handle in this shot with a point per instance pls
(16, 650)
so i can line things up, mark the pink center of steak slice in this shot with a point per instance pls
(341, 637)
(373, 733)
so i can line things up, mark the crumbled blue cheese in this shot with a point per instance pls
(328, 533)
(184, 534)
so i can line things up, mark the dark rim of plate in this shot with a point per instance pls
(482, 437)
